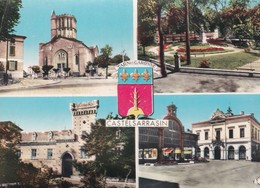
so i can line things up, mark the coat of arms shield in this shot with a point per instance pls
(135, 91)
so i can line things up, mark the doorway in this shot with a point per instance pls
(67, 165)
(217, 153)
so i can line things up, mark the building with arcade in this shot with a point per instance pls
(228, 136)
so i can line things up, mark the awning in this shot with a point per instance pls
(177, 151)
(169, 150)
(187, 152)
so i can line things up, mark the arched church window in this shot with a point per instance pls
(61, 55)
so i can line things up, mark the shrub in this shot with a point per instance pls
(183, 58)
(2, 67)
(36, 69)
(204, 64)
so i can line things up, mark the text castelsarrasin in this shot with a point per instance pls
(137, 123)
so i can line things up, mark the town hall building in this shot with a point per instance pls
(64, 50)
(228, 136)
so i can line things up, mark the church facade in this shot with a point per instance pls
(64, 50)
(59, 148)
(227, 136)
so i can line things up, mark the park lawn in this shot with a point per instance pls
(225, 61)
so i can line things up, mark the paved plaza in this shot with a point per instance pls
(215, 174)
(173, 83)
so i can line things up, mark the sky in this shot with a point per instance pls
(53, 113)
(99, 22)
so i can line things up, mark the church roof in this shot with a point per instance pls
(56, 38)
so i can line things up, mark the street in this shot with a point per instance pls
(203, 83)
(173, 83)
(215, 174)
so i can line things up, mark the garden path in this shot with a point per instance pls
(171, 53)
(254, 66)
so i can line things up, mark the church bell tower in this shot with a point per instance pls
(63, 25)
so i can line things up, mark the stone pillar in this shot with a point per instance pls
(211, 153)
(176, 62)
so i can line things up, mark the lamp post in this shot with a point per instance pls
(6, 64)
(123, 56)
(187, 20)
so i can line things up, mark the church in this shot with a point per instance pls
(64, 50)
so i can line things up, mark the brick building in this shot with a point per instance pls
(12, 52)
(64, 50)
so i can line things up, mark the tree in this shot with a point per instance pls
(102, 143)
(104, 59)
(150, 11)
(119, 58)
(32, 177)
(9, 134)
(2, 67)
(9, 17)
(8, 165)
(243, 22)
(146, 24)
(46, 69)
(36, 69)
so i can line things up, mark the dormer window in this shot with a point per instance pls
(34, 136)
(50, 135)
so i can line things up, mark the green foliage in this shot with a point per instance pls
(2, 67)
(9, 16)
(119, 58)
(102, 61)
(56, 70)
(9, 132)
(228, 61)
(66, 70)
(106, 51)
(9, 164)
(32, 177)
(146, 23)
(102, 143)
(12, 170)
(92, 175)
(36, 69)
(46, 68)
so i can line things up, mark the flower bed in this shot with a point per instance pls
(165, 46)
(211, 49)
(218, 41)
